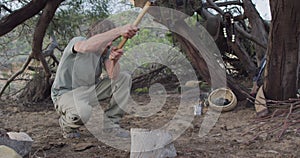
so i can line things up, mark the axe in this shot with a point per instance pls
(136, 22)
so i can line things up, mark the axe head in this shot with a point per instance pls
(140, 3)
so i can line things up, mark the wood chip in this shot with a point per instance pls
(83, 146)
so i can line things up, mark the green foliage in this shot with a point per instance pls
(4, 74)
(150, 32)
(204, 86)
(146, 35)
(141, 90)
(74, 17)
(193, 20)
(14, 47)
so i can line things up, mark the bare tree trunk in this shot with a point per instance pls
(282, 69)
(39, 88)
(39, 33)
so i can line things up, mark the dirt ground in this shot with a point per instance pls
(236, 133)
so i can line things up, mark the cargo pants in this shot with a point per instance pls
(75, 107)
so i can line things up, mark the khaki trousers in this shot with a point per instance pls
(75, 107)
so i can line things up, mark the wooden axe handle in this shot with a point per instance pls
(136, 22)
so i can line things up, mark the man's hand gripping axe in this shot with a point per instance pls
(136, 22)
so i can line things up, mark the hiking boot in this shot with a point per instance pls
(69, 132)
(118, 132)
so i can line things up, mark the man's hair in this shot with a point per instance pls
(100, 27)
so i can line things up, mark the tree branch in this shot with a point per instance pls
(243, 56)
(12, 78)
(238, 28)
(240, 17)
(40, 31)
(215, 6)
(54, 59)
(4, 7)
(249, 36)
(50, 48)
(222, 4)
(19, 79)
(258, 29)
(137, 79)
(17, 17)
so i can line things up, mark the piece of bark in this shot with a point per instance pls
(261, 103)
(83, 146)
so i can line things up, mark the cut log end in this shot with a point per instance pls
(148, 144)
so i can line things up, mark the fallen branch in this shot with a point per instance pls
(240, 30)
(280, 120)
(139, 78)
(286, 126)
(18, 79)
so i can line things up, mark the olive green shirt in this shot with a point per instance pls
(76, 69)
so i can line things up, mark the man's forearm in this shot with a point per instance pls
(98, 42)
